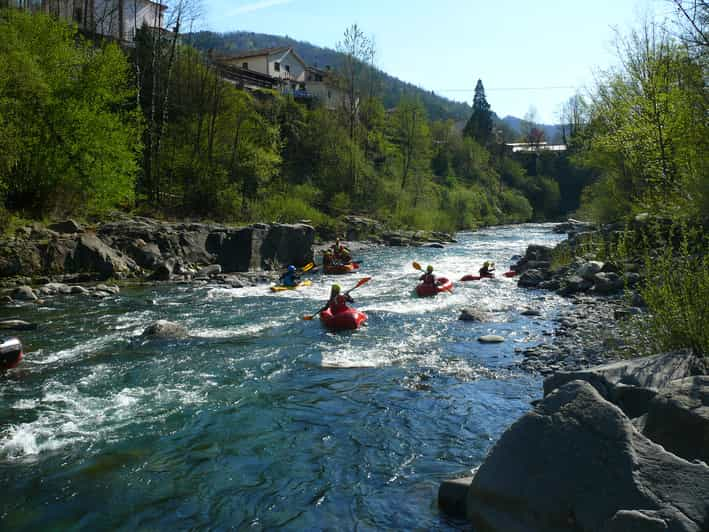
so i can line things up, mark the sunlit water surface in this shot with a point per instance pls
(262, 420)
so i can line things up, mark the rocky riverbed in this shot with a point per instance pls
(617, 443)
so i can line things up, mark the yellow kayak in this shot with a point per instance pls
(280, 288)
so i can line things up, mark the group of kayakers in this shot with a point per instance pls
(338, 259)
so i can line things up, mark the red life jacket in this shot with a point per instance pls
(338, 304)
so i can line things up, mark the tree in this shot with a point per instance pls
(70, 129)
(358, 51)
(479, 127)
(412, 136)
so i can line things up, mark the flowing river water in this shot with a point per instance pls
(261, 420)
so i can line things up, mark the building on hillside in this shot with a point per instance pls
(281, 69)
(528, 147)
(114, 19)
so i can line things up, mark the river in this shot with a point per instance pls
(260, 419)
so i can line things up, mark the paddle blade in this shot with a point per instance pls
(416, 266)
(308, 267)
(362, 281)
(308, 318)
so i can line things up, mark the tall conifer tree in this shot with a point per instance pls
(479, 127)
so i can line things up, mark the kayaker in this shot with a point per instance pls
(338, 301)
(428, 277)
(487, 269)
(290, 278)
(341, 254)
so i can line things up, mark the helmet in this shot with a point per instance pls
(336, 289)
(291, 268)
(429, 268)
(486, 263)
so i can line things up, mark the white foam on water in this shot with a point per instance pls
(237, 331)
(68, 416)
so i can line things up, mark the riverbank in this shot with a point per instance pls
(617, 443)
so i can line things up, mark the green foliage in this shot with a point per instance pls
(676, 291)
(479, 126)
(69, 137)
(647, 134)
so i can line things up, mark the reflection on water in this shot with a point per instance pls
(261, 419)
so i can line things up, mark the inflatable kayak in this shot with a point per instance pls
(510, 274)
(477, 277)
(442, 285)
(348, 319)
(281, 288)
(10, 353)
(338, 269)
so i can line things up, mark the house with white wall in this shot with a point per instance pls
(289, 71)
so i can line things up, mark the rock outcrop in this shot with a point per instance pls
(129, 246)
(678, 418)
(577, 463)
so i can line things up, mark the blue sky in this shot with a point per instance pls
(519, 48)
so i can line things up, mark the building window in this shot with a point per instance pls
(288, 68)
(245, 66)
(277, 66)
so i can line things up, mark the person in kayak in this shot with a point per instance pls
(338, 301)
(428, 277)
(340, 253)
(487, 269)
(290, 278)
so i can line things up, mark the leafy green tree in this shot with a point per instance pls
(479, 126)
(70, 133)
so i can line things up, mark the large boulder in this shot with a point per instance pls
(473, 314)
(574, 285)
(537, 252)
(589, 269)
(678, 418)
(93, 255)
(288, 244)
(607, 282)
(630, 384)
(19, 257)
(531, 279)
(577, 463)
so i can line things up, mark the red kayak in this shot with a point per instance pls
(442, 285)
(510, 274)
(10, 353)
(477, 277)
(338, 269)
(346, 320)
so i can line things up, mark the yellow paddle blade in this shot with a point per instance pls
(416, 266)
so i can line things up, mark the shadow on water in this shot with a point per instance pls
(261, 419)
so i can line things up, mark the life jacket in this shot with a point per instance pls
(289, 279)
(338, 304)
(428, 278)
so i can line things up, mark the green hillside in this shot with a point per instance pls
(392, 88)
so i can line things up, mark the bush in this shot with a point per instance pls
(676, 290)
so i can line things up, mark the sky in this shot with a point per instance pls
(529, 54)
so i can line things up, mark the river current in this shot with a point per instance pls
(262, 420)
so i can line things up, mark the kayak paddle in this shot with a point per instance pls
(359, 283)
(308, 267)
(417, 266)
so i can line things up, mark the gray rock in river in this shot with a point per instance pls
(531, 279)
(607, 283)
(589, 269)
(17, 325)
(678, 418)
(165, 329)
(577, 463)
(491, 339)
(472, 314)
(24, 293)
(213, 269)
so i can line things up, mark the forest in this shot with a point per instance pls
(87, 127)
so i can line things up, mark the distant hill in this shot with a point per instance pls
(552, 133)
(392, 88)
